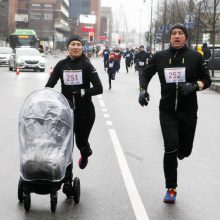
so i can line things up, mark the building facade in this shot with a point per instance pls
(106, 26)
(55, 20)
(49, 18)
(85, 15)
(8, 10)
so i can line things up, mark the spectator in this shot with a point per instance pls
(207, 53)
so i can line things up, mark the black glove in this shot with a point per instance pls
(187, 88)
(144, 97)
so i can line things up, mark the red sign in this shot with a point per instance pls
(103, 38)
(87, 29)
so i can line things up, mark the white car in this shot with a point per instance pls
(27, 58)
(5, 53)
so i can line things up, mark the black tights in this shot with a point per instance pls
(178, 130)
(84, 118)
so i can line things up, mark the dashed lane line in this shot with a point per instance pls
(134, 196)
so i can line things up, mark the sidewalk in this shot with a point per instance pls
(215, 81)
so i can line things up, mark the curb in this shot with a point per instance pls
(215, 87)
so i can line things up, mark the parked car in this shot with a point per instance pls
(5, 53)
(216, 60)
(27, 58)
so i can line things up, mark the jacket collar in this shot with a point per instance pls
(180, 50)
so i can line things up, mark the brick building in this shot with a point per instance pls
(55, 20)
(7, 18)
(85, 15)
(106, 26)
(49, 18)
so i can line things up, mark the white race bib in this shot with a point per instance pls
(141, 63)
(72, 77)
(175, 75)
(111, 65)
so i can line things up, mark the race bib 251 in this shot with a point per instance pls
(72, 77)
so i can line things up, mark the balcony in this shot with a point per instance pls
(61, 25)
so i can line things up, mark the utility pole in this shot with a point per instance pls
(151, 24)
(213, 35)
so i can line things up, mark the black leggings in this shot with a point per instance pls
(105, 63)
(178, 130)
(117, 65)
(84, 118)
(127, 64)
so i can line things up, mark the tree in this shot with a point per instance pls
(211, 21)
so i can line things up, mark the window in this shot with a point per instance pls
(47, 6)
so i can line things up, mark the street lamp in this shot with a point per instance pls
(151, 25)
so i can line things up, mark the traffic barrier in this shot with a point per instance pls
(51, 70)
(17, 71)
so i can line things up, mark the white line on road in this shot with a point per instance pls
(99, 96)
(106, 115)
(109, 123)
(134, 196)
(101, 103)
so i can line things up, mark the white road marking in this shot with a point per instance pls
(134, 196)
(99, 96)
(109, 123)
(101, 103)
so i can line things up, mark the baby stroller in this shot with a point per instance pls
(46, 146)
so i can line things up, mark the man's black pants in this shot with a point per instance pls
(178, 130)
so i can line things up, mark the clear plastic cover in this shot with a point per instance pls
(45, 135)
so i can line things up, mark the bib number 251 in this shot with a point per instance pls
(72, 77)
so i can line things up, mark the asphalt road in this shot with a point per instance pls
(124, 178)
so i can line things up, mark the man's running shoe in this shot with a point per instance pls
(83, 161)
(170, 196)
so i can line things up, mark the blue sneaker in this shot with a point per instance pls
(170, 196)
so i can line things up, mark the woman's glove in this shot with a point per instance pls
(144, 98)
(187, 88)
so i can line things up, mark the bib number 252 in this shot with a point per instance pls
(175, 75)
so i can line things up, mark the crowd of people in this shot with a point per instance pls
(137, 57)
(182, 73)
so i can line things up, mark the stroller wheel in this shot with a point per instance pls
(67, 189)
(76, 190)
(20, 190)
(27, 201)
(53, 201)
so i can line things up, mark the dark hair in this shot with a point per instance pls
(74, 38)
(205, 44)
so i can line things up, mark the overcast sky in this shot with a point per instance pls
(137, 13)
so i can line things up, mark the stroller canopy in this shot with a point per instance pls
(45, 135)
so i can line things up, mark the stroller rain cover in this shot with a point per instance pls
(45, 135)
